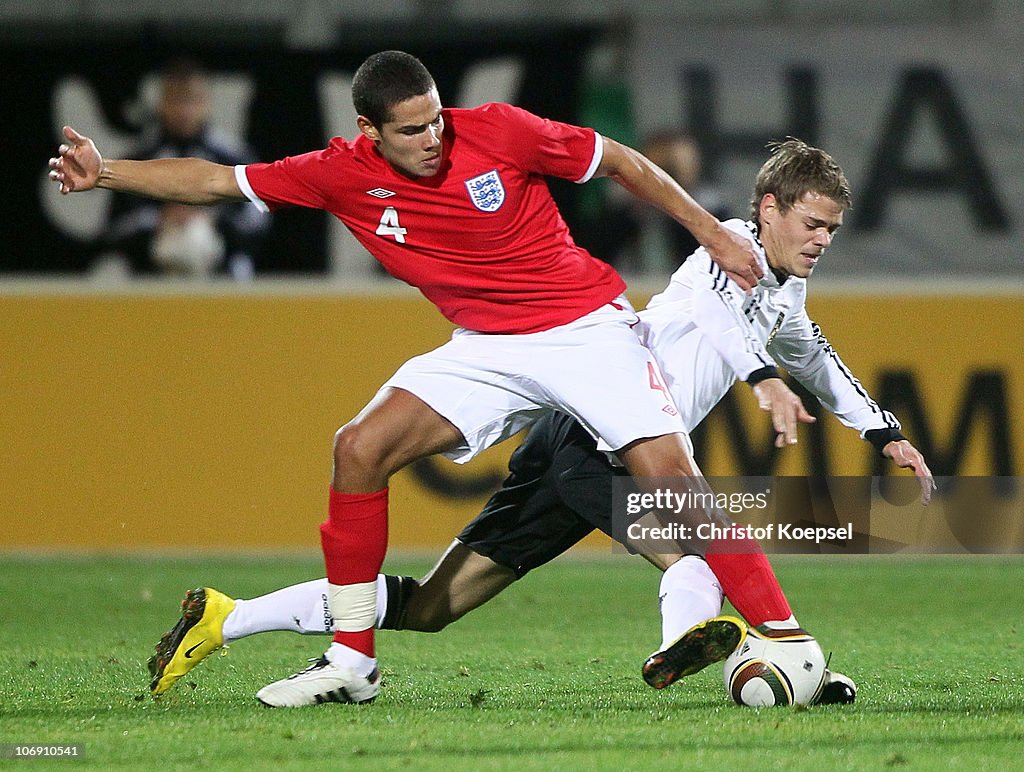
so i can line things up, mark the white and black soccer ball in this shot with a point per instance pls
(775, 667)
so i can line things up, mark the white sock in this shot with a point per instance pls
(344, 656)
(689, 594)
(301, 608)
(783, 624)
(382, 599)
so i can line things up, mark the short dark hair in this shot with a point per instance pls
(386, 79)
(794, 169)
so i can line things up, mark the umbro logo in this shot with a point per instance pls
(381, 193)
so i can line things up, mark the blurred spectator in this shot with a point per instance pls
(177, 240)
(641, 240)
(606, 226)
(679, 154)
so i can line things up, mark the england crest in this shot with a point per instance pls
(486, 191)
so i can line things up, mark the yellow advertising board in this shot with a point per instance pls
(205, 420)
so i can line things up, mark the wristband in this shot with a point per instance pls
(882, 437)
(762, 374)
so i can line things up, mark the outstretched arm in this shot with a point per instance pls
(801, 348)
(78, 166)
(650, 183)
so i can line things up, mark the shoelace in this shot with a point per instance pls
(316, 663)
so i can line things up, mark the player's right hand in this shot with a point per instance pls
(907, 456)
(775, 397)
(737, 257)
(77, 165)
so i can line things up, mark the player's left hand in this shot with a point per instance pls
(775, 397)
(737, 258)
(906, 456)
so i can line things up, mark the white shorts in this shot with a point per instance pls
(595, 369)
(697, 375)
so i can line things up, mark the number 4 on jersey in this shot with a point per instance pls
(389, 225)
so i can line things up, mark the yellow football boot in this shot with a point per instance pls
(694, 650)
(197, 635)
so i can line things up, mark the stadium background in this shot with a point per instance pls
(144, 414)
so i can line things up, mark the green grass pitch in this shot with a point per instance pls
(545, 677)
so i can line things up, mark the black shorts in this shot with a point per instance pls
(559, 489)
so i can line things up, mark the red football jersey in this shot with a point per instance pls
(482, 239)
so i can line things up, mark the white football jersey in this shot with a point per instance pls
(706, 333)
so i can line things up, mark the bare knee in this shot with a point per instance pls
(393, 430)
(350, 447)
(358, 460)
(666, 456)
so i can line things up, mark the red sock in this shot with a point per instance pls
(747, 579)
(355, 540)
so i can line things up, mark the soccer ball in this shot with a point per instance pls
(775, 667)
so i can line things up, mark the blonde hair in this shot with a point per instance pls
(795, 168)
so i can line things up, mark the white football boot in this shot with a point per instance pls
(322, 681)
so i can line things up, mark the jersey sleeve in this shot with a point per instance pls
(547, 147)
(300, 180)
(805, 352)
(718, 313)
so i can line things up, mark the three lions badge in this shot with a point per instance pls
(486, 191)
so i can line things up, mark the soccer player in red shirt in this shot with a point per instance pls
(454, 203)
